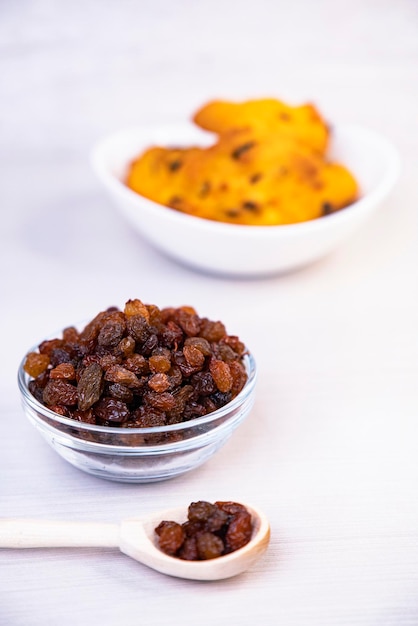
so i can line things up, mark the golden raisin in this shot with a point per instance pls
(36, 363)
(221, 374)
(136, 307)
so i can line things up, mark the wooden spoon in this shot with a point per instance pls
(136, 538)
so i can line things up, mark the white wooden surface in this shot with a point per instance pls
(330, 449)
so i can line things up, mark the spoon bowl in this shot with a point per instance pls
(136, 538)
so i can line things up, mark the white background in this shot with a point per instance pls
(330, 449)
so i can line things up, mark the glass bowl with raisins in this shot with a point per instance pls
(141, 394)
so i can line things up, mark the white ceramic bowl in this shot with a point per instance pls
(237, 250)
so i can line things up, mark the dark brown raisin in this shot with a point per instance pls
(120, 392)
(163, 401)
(203, 383)
(59, 355)
(138, 328)
(111, 410)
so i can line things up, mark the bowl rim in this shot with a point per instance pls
(30, 400)
(392, 164)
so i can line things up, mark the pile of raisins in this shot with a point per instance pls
(211, 530)
(138, 368)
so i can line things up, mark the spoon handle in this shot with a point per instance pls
(32, 533)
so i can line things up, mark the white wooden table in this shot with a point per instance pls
(330, 450)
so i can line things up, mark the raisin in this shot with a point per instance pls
(200, 343)
(188, 551)
(221, 374)
(126, 346)
(193, 409)
(159, 363)
(47, 346)
(119, 374)
(61, 410)
(159, 382)
(239, 377)
(188, 321)
(90, 386)
(138, 328)
(164, 401)
(209, 546)
(36, 363)
(84, 416)
(111, 333)
(70, 335)
(203, 383)
(172, 335)
(212, 331)
(121, 392)
(234, 342)
(137, 364)
(220, 399)
(216, 520)
(111, 410)
(150, 344)
(60, 392)
(59, 355)
(64, 371)
(174, 376)
(136, 307)
(170, 536)
(225, 353)
(108, 360)
(201, 510)
(146, 417)
(154, 314)
(231, 508)
(194, 357)
(181, 397)
(239, 531)
(193, 527)
(36, 391)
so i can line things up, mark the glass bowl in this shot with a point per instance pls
(139, 455)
